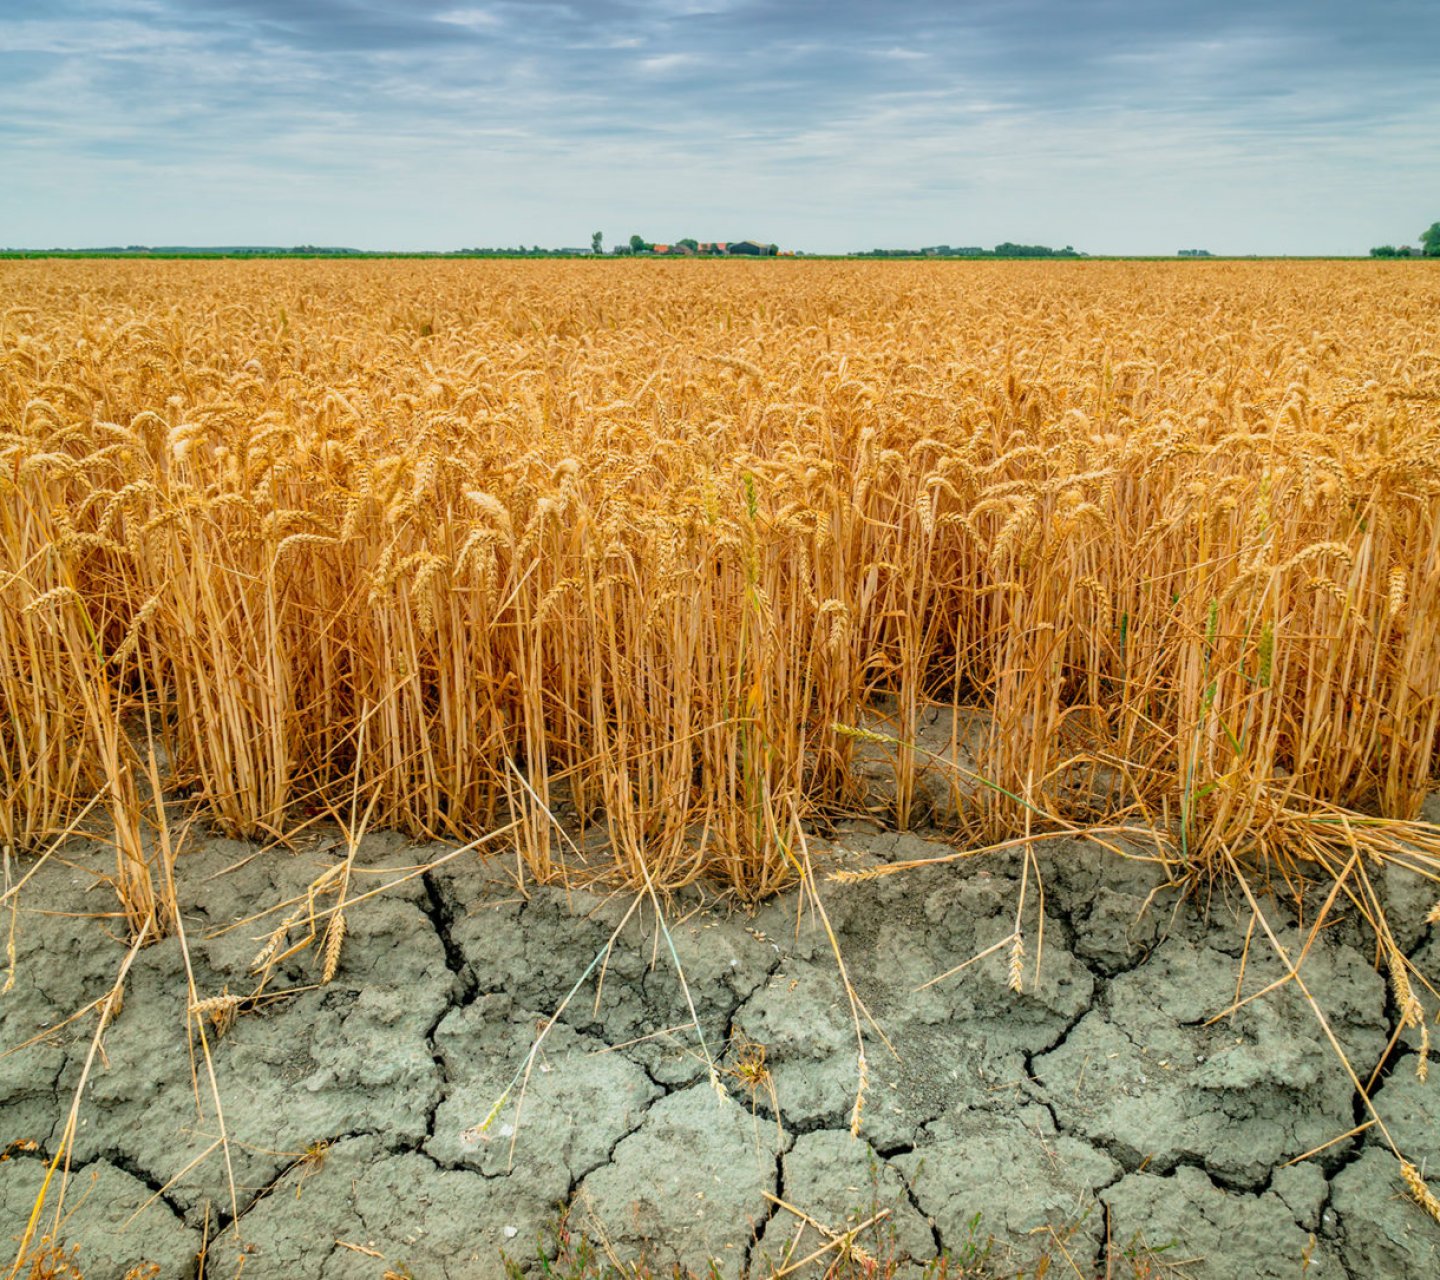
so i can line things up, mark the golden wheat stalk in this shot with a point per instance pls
(221, 1011)
(1419, 1190)
(334, 939)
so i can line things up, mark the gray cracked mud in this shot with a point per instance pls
(1102, 1111)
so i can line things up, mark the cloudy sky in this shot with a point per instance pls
(1264, 126)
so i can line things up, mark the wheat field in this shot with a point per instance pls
(470, 543)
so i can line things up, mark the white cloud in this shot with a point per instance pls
(665, 63)
(474, 19)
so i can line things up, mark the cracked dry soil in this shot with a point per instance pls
(1100, 1106)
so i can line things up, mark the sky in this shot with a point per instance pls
(1116, 126)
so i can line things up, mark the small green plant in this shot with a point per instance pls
(564, 1254)
(972, 1258)
(1140, 1260)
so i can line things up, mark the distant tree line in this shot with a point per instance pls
(1429, 246)
(1006, 250)
(521, 251)
(221, 250)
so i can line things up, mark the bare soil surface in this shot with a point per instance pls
(1102, 1114)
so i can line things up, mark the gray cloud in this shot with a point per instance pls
(1116, 125)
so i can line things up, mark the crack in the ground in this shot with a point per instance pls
(1034, 1089)
(440, 913)
(464, 990)
(772, 1209)
(1426, 935)
(1133, 1161)
(577, 1177)
(1354, 1148)
(1129, 1159)
(1107, 1228)
(937, 1240)
(1073, 921)
(432, 1112)
(39, 1153)
(1028, 1056)
(835, 1120)
(777, 959)
(666, 1087)
(127, 1164)
(314, 1157)
(628, 1049)
(1349, 1151)
(1331, 1224)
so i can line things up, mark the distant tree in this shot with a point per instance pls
(637, 245)
(1430, 241)
(1009, 249)
(597, 240)
(771, 250)
(1383, 251)
(692, 245)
